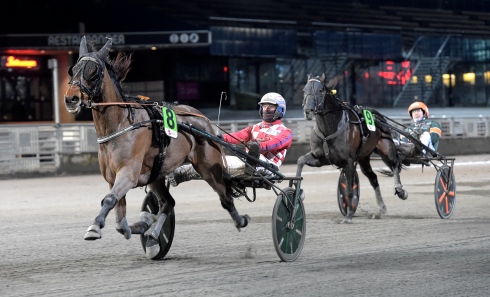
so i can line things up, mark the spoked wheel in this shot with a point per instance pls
(342, 192)
(445, 192)
(288, 238)
(150, 204)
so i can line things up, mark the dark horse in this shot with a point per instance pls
(341, 138)
(130, 155)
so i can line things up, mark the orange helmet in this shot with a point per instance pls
(420, 105)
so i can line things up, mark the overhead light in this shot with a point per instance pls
(469, 78)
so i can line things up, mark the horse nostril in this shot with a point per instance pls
(71, 99)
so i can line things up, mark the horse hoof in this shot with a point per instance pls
(382, 210)
(152, 248)
(245, 220)
(126, 234)
(347, 221)
(123, 228)
(93, 233)
(402, 194)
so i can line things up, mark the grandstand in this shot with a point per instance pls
(273, 44)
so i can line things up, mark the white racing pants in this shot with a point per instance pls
(426, 140)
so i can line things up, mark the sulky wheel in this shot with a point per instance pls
(342, 192)
(288, 238)
(150, 204)
(445, 192)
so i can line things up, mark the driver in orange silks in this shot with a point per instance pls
(428, 132)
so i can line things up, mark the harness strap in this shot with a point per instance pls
(122, 103)
(125, 130)
(363, 136)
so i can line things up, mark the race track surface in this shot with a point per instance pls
(410, 251)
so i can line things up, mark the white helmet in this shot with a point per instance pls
(277, 99)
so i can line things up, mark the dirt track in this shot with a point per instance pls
(409, 252)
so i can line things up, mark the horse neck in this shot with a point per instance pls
(110, 118)
(330, 103)
(333, 115)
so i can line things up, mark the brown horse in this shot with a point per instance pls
(341, 138)
(130, 152)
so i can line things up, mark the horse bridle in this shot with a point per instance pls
(95, 92)
(318, 103)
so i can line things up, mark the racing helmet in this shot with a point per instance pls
(277, 99)
(420, 105)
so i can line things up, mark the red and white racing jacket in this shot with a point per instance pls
(274, 139)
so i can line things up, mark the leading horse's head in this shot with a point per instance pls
(86, 77)
(314, 94)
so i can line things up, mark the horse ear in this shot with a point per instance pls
(333, 82)
(322, 78)
(103, 53)
(83, 46)
(308, 76)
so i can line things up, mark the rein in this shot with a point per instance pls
(140, 124)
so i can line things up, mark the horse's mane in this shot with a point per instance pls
(118, 69)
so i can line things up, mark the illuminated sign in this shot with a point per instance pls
(394, 77)
(129, 40)
(16, 62)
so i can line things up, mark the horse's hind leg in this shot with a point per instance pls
(151, 225)
(367, 170)
(390, 157)
(108, 203)
(214, 176)
(399, 191)
(146, 219)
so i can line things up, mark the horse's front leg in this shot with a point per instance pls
(108, 203)
(121, 221)
(122, 185)
(352, 199)
(311, 160)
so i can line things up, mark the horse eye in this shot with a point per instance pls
(95, 76)
(91, 73)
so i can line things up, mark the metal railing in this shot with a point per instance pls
(39, 148)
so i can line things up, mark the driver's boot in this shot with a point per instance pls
(182, 174)
(254, 151)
